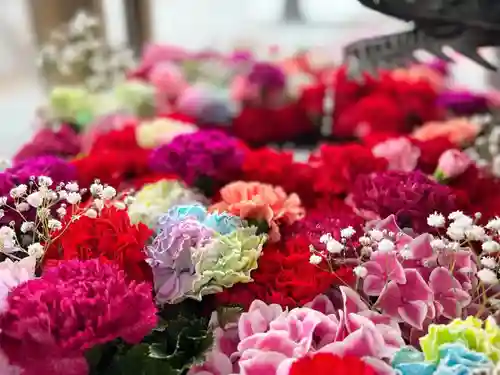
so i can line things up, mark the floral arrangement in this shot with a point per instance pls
(149, 235)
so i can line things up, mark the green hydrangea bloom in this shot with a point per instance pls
(155, 199)
(227, 260)
(475, 334)
(136, 97)
(73, 104)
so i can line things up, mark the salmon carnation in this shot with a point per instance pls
(262, 203)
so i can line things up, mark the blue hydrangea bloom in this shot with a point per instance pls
(222, 223)
(454, 359)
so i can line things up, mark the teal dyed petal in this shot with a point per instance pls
(416, 368)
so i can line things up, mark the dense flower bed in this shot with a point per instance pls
(166, 242)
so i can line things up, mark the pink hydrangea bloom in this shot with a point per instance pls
(53, 320)
(269, 339)
(400, 154)
(416, 283)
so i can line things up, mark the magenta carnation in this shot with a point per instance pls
(53, 320)
(63, 142)
(206, 154)
(58, 169)
(410, 196)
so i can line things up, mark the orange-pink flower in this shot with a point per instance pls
(421, 72)
(460, 131)
(261, 202)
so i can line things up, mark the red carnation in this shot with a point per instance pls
(278, 168)
(284, 276)
(327, 363)
(109, 237)
(112, 167)
(337, 167)
(118, 139)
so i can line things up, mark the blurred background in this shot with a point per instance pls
(196, 24)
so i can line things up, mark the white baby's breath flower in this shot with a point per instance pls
(45, 181)
(61, 211)
(108, 192)
(96, 189)
(72, 186)
(315, 259)
(489, 262)
(438, 244)
(487, 276)
(35, 250)
(436, 220)
(376, 234)
(27, 226)
(63, 194)
(475, 233)
(129, 200)
(22, 207)
(347, 232)
(325, 238)
(3, 201)
(360, 272)
(34, 199)
(491, 246)
(54, 224)
(463, 221)
(386, 245)
(334, 247)
(73, 198)
(494, 224)
(455, 215)
(19, 191)
(456, 232)
(91, 213)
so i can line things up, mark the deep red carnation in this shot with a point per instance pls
(384, 104)
(259, 125)
(336, 167)
(327, 364)
(113, 167)
(277, 168)
(118, 139)
(110, 238)
(284, 276)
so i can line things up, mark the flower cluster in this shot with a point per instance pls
(197, 253)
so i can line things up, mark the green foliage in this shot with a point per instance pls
(180, 340)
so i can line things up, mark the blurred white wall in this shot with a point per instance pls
(195, 24)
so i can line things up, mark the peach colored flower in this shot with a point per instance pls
(262, 202)
(460, 131)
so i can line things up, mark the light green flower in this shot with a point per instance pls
(227, 260)
(136, 97)
(155, 199)
(73, 104)
(475, 334)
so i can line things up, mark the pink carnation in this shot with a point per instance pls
(267, 339)
(53, 320)
(452, 163)
(400, 154)
(261, 202)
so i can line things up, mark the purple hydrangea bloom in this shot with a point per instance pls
(268, 76)
(57, 169)
(205, 154)
(410, 196)
(463, 102)
(170, 257)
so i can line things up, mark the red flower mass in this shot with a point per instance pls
(284, 276)
(110, 238)
(327, 364)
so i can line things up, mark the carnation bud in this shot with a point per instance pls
(452, 163)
